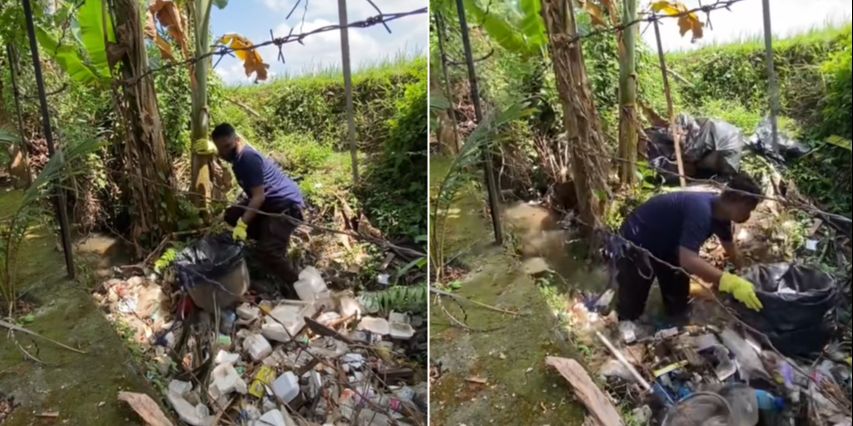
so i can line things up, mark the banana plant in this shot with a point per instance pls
(84, 59)
(520, 31)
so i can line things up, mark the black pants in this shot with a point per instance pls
(635, 272)
(272, 237)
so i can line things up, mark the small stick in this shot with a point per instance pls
(480, 304)
(14, 327)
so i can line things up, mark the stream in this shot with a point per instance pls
(498, 375)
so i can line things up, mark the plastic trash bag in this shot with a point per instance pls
(799, 304)
(213, 271)
(713, 145)
(785, 149)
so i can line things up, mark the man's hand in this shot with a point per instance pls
(239, 233)
(204, 147)
(742, 290)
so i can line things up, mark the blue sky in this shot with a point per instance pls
(255, 18)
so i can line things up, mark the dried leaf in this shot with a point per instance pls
(169, 16)
(596, 13)
(252, 61)
(161, 43)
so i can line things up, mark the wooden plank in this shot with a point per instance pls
(147, 409)
(595, 401)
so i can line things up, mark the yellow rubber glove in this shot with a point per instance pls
(204, 147)
(239, 233)
(742, 290)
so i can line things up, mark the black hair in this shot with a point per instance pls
(223, 130)
(742, 188)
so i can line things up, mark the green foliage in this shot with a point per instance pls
(398, 209)
(315, 105)
(302, 155)
(166, 260)
(397, 298)
(838, 74)
(730, 111)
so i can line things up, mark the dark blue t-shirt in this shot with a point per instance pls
(678, 219)
(253, 169)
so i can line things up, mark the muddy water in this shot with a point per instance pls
(82, 389)
(509, 355)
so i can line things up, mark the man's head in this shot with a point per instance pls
(740, 198)
(226, 140)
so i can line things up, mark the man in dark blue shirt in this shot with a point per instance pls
(670, 229)
(268, 190)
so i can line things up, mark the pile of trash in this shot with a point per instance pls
(787, 365)
(321, 359)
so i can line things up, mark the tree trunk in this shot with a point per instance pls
(586, 144)
(200, 120)
(628, 96)
(148, 183)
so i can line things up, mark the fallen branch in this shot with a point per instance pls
(14, 327)
(473, 302)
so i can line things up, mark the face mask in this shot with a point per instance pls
(230, 156)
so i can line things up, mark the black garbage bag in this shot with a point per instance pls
(799, 304)
(213, 271)
(785, 149)
(713, 145)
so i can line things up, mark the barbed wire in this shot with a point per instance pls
(279, 42)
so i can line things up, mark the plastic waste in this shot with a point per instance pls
(286, 387)
(769, 402)
(213, 271)
(785, 148)
(799, 303)
(310, 284)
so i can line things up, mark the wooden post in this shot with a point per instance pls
(491, 185)
(676, 134)
(345, 59)
(628, 138)
(439, 26)
(772, 80)
(59, 194)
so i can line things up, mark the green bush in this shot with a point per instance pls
(315, 105)
(301, 154)
(395, 191)
(838, 74)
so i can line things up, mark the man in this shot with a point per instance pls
(268, 190)
(672, 228)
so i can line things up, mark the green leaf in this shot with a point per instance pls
(840, 142)
(95, 30)
(455, 285)
(68, 57)
(504, 33)
(531, 23)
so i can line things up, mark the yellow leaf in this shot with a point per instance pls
(687, 22)
(244, 49)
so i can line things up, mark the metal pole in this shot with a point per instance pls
(59, 194)
(772, 80)
(439, 27)
(475, 99)
(676, 135)
(13, 71)
(342, 17)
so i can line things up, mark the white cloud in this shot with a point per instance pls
(745, 20)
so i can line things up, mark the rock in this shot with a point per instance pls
(257, 347)
(248, 312)
(535, 266)
(225, 357)
(401, 331)
(375, 325)
(286, 387)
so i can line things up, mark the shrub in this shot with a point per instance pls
(301, 155)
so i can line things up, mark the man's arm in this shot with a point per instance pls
(695, 265)
(733, 253)
(256, 200)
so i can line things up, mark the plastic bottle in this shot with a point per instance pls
(768, 402)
